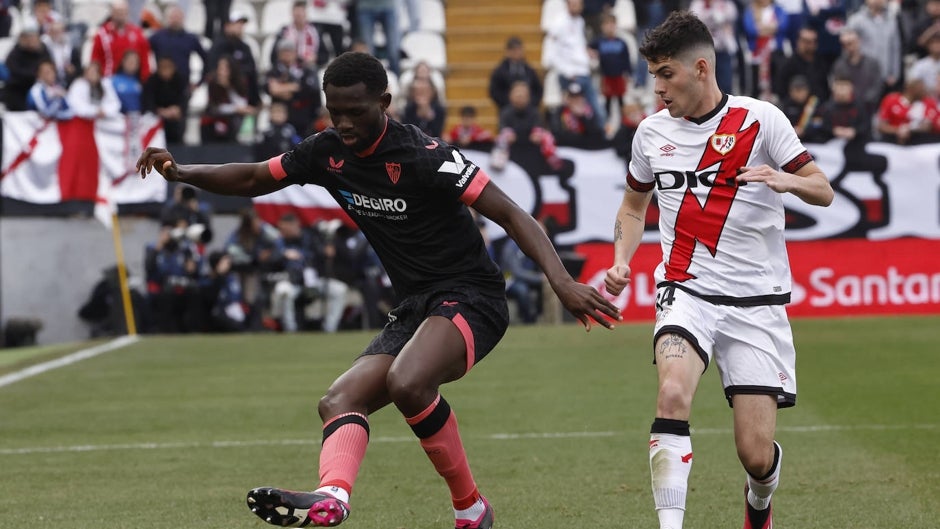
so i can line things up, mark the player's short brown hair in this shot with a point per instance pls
(680, 33)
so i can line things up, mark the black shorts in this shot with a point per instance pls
(481, 319)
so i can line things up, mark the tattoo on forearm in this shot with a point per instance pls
(672, 346)
(637, 217)
(618, 230)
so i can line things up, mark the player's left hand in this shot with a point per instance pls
(777, 180)
(587, 304)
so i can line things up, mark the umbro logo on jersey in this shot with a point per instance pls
(722, 143)
(432, 146)
(394, 171)
(667, 149)
(336, 166)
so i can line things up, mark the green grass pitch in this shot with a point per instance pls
(171, 432)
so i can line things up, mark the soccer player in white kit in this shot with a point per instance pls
(719, 165)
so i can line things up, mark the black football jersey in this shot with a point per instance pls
(408, 193)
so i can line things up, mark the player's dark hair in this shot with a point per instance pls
(352, 68)
(681, 32)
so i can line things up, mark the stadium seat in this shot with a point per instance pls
(274, 15)
(195, 68)
(424, 45)
(6, 44)
(551, 92)
(16, 22)
(264, 55)
(332, 13)
(90, 13)
(625, 11)
(199, 99)
(195, 21)
(432, 16)
(551, 10)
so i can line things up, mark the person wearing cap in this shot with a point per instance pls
(232, 44)
(575, 124)
(115, 37)
(512, 68)
(799, 104)
(23, 64)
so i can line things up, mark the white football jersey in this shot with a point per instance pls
(721, 241)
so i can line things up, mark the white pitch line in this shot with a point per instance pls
(409, 439)
(77, 356)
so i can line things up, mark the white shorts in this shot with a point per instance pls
(753, 346)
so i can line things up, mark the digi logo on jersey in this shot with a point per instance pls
(666, 180)
(393, 205)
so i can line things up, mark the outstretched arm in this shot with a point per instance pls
(584, 302)
(628, 232)
(242, 179)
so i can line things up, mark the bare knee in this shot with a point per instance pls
(409, 390)
(674, 400)
(756, 455)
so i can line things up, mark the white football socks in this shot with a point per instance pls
(472, 513)
(339, 493)
(670, 465)
(760, 490)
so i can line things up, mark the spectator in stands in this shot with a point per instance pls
(649, 14)
(329, 16)
(721, 17)
(841, 117)
(803, 63)
(862, 69)
(827, 18)
(47, 96)
(179, 45)
(253, 247)
(521, 127)
(44, 15)
(630, 117)
(371, 13)
(423, 70)
(467, 132)
(280, 137)
(424, 109)
(66, 57)
(765, 25)
(127, 85)
(909, 117)
(880, 37)
(172, 267)
(575, 124)
(302, 34)
(613, 54)
(228, 103)
(412, 7)
(186, 208)
(222, 292)
(115, 37)
(166, 94)
(593, 13)
(6, 17)
(295, 84)
(799, 104)
(232, 45)
(927, 69)
(514, 67)
(23, 64)
(523, 280)
(292, 259)
(566, 51)
(92, 96)
(218, 13)
(926, 24)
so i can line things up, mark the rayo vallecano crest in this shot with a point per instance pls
(723, 143)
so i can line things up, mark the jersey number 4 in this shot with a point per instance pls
(704, 223)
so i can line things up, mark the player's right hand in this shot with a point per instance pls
(618, 277)
(160, 160)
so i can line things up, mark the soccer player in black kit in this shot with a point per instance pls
(409, 194)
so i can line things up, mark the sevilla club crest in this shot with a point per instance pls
(723, 143)
(394, 171)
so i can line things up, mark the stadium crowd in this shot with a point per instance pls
(852, 69)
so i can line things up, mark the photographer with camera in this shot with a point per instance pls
(254, 248)
(173, 270)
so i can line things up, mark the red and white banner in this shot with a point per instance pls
(875, 250)
(47, 161)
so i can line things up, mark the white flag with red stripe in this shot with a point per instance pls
(46, 162)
